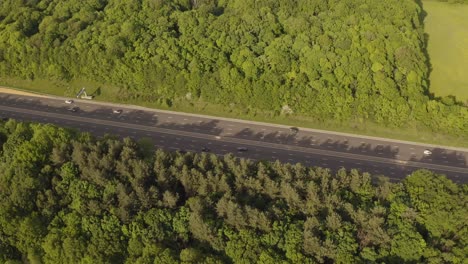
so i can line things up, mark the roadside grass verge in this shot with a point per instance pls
(109, 94)
(447, 28)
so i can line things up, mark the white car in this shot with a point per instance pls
(69, 101)
(118, 111)
(427, 152)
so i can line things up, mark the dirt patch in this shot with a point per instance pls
(13, 91)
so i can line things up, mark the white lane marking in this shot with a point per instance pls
(341, 161)
(169, 117)
(185, 119)
(148, 134)
(325, 164)
(162, 141)
(324, 159)
(290, 154)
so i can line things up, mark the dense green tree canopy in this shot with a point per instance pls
(325, 59)
(66, 197)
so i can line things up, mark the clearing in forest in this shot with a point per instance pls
(447, 27)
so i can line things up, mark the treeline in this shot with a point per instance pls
(66, 197)
(329, 60)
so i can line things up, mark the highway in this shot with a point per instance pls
(188, 132)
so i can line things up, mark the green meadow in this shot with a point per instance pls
(447, 27)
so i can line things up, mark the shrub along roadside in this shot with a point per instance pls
(338, 60)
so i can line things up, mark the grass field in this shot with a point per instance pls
(447, 27)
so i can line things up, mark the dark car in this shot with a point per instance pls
(4, 118)
(205, 149)
(242, 149)
(294, 129)
(73, 109)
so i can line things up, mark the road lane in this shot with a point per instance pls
(264, 142)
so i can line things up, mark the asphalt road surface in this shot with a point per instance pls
(188, 132)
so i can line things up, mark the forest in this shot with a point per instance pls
(344, 60)
(67, 197)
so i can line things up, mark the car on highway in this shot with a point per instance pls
(73, 109)
(294, 129)
(241, 149)
(427, 152)
(69, 101)
(117, 111)
(4, 118)
(205, 149)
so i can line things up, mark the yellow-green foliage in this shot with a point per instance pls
(447, 27)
